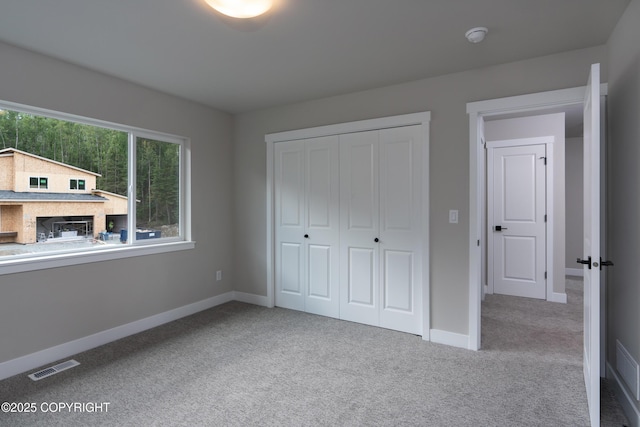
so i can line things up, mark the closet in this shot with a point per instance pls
(350, 223)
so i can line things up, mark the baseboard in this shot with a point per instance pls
(628, 403)
(558, 297)
(251, 298)
(449, 338)
(574, 272)
(40, 358)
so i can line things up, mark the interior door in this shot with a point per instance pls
(400, 229)
(359, 227)
(517, 208)
(307, 225)
(289, 225)
(591, 244)
(322, 226)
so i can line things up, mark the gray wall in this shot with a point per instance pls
(623, 298)
(574, 208)
(50, 307)
(535, 126)
(446, 98)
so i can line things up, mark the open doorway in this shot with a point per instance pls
(569, 102)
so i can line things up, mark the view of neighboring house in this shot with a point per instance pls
(43, 199)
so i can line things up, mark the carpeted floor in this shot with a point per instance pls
(244, 365)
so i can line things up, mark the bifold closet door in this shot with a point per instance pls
(307, 225)
(400, 243)
(381, 229)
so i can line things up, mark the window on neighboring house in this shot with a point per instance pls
(38, 182)
(76, 184)
(141, 189)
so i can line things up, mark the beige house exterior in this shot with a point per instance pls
(42, 199)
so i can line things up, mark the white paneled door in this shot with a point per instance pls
(307, 225)
(380, 232)
(517, 210)
(591, 246)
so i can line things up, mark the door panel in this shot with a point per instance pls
(289, 230)
(359, 216)
(591, 243)
(319, 272)
(397, 185)
(401, 229)
(398, 281)
(307, 225)
(322, 225)
(517, 204)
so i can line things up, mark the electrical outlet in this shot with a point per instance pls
(453, 216)
(219, 275)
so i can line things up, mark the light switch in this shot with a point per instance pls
(453, 216)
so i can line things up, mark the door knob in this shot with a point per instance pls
(605, 264)
(585, 262)
(376, 240)
(306, 236)
(500, 228)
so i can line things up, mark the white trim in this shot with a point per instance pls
(450, 338)
(41, 262)
(426, 272)
(559, 297)
(350, 127)
(420, 118)
(477, 111)
(626, 400)
(37, 359)
(254, 299)
(574, 272)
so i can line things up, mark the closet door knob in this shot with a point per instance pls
(376, 240)
(306, 236)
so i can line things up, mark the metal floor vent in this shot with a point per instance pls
(52, 370)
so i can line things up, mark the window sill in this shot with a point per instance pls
(43, 262)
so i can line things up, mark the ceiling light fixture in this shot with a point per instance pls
(241, 8)
(476, 35)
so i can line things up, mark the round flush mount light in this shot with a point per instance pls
(476, 35)
(241, 8)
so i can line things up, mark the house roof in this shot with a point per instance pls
(15, 150)
(13, 196)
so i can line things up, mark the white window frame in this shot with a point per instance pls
(39, 178)
(77, 181)
(40, 261)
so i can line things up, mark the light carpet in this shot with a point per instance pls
(245, 365)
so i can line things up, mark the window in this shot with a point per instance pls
(137, 179)
(38, 182)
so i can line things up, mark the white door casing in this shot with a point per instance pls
(517, 219)
(591, 244)
(536, 102)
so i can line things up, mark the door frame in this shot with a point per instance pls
(477, 111)
(548, 142)
(421, 118)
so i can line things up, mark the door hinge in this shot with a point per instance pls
(545, 217)
(478, 242)
(545, 275)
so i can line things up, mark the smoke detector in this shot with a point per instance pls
(476, 35)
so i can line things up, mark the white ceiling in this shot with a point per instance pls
(303, 49)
